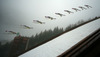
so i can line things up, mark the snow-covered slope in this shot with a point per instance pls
(62, 43)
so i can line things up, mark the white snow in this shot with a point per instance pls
(62, 43)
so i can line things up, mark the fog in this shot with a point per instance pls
(14, 13)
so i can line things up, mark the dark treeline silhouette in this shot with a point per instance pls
(4, 49)
(43, 37)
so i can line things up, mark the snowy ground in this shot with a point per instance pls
(62, 43)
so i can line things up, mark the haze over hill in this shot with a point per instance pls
(22, 12)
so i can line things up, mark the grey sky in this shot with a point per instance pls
(14, 13)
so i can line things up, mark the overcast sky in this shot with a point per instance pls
(14, 13)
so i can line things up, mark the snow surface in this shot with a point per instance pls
(62, 43)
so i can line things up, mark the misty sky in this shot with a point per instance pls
(14, 13)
